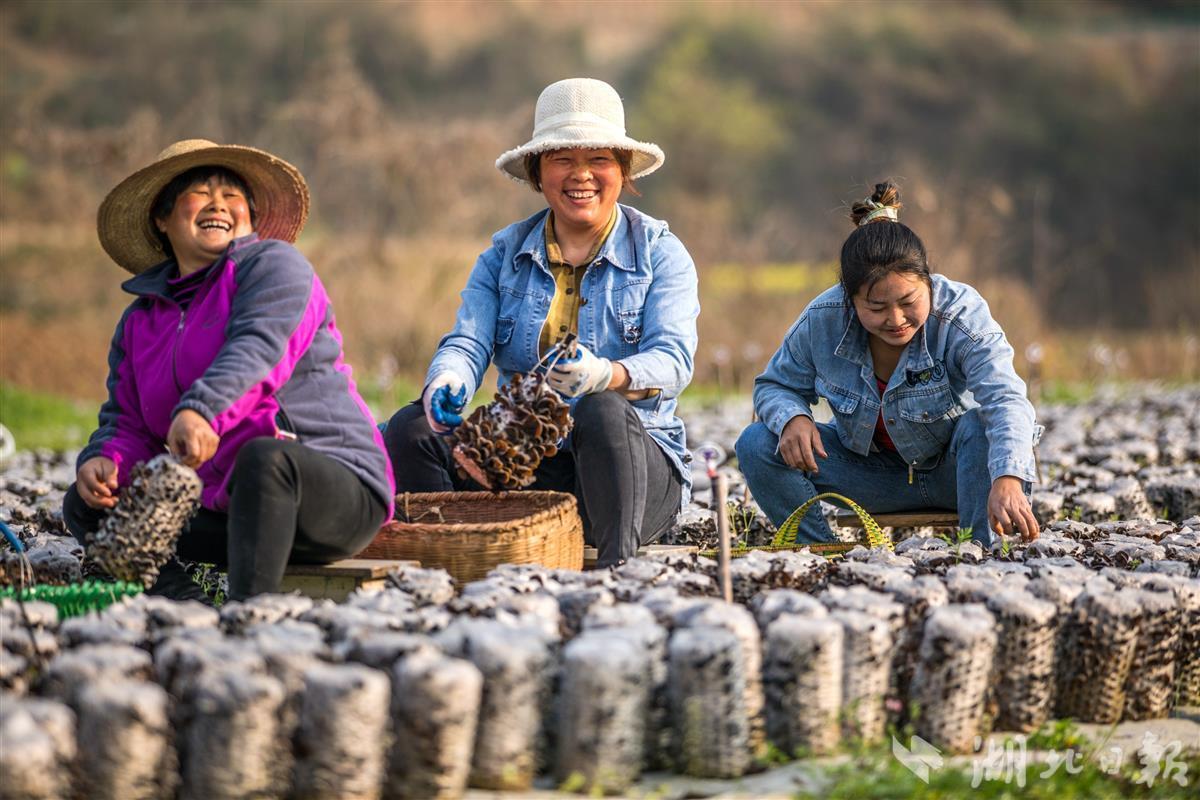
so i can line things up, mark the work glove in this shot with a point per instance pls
(583, 373)
(444, 399)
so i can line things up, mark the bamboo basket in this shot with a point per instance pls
(785, 537)
(470, 533)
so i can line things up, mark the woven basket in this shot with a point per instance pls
(785, 537)
(469, 533)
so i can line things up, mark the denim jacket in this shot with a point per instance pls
(959, 359)
(639, 306)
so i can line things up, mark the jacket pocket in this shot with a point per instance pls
(933, 414)
(630, 326)
(283, 426)
(845, 406)
(648, 408)
(504, 330)
(842, 401)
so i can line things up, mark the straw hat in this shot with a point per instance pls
(580, 112)
(128, 234)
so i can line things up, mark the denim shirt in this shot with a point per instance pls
(639, 306)
(958, 359)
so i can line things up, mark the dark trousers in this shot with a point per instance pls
(287, 504)
(627, 489)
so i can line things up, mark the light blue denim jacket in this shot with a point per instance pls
(638, 306)
(959, 359)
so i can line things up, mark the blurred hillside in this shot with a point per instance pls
(1047, 152)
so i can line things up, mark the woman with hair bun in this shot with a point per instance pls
(928, 409)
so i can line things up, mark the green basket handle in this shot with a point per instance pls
(786, 536)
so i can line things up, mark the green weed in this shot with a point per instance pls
(1058, 734)
(774, 756)
(211, 579)
(957, 540)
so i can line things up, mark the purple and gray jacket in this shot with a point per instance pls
(257, 353)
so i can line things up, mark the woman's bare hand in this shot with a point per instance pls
(192, 439)
(800, 444)
(1009, 511)
(96, 482)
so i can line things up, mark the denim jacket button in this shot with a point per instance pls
(891, 420)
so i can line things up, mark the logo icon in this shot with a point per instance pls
(920, 759)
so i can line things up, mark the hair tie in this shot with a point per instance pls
(879, 210)
(883, 212)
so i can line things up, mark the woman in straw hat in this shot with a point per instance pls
(586, 265)
(230, 358)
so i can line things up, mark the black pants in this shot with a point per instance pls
(287, 504)
(627, 489)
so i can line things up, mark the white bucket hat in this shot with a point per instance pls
(580, 113)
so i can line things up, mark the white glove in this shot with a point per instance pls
(583, 374)
(444, 399)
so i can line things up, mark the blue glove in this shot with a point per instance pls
(444, 398)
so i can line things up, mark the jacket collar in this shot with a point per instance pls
(617, 249)
(154, 281)
(853, 344)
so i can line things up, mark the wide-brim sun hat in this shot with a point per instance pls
(128, 234)
(580, 113)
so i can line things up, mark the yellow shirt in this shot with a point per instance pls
(563, 317)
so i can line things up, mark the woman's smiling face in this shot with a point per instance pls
(894, 308)
(581, 186)
(207, 216)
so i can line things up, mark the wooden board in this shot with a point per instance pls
(590, 554)
(350, 568)
(337, 580)
(934, 517)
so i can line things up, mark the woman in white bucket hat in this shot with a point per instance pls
(589, 266)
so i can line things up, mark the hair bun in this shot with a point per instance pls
(883, 204)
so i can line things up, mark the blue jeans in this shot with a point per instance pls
(877, 481)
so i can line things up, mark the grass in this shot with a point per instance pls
(43, 421)
(702, 396)
(38, 420)
(874, 772)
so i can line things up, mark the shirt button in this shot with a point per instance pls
(570, 291)
(562, 328)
